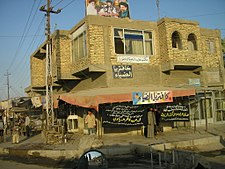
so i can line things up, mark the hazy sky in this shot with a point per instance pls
(23, 26)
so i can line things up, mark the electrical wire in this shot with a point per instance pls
(57, 4)
(17, 36)
(210, 14)
(68, 4)
(25, 73)
(26, 53)
(22, 38)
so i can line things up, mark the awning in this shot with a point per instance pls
(93, 97)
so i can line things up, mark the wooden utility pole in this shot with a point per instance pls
(7, 74)
(49, 82)
(7, 111)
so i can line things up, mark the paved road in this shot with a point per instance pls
(216, 160)
(16, 165)
(7, 162)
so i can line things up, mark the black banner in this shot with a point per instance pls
(175, 112)
(120, 115)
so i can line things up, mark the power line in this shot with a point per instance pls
(68, 4)
(32, 42)
(209, 14)
(16, 92)
(22, 38)
(57, 4)
(18, 36)
(26, 68)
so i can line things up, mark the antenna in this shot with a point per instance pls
(157, 4)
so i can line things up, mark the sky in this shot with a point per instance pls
(22, 29)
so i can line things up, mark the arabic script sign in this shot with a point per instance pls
(152, 97)
(122, 115)
(133, 59)
(122, 71)
(175, 112)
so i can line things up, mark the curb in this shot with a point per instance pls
(122, 150)
(112, 150)
(52, 154)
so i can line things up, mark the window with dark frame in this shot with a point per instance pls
(79, 47)
(135, 42)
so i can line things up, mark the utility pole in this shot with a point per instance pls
(7, 74)
(7, 111)
(49, 81)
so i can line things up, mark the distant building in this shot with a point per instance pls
(102, 62)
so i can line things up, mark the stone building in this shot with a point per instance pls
(103, 61)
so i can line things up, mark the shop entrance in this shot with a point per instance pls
(201, 109)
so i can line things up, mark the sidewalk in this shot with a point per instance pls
(113, 144)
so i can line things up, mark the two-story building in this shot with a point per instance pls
(103, 63)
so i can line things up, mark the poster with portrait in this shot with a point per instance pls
(108, 8)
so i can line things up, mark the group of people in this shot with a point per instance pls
(24, 126)
(153, 122)
(108, 8)
(20, 126)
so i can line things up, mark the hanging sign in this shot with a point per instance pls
(152, 97)
(119, 115)
(133, 59)
(175, 112)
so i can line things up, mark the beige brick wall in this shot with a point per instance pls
(37, 72)
(201, 57)
(100, 54)
(211, 59)
(96, 44)
(184, 28)
(61, 55)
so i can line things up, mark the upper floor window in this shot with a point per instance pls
(192, 44)
(176, 41)
(133, 42)
(79, 44)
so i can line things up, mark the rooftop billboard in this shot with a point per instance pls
(108, 8)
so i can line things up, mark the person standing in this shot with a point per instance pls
(90, 121)
(151, 123)
(1, 130)
(4, 118)
(27, 125)
(158, 120)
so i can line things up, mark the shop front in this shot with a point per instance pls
(207, 106)
(121, 110)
